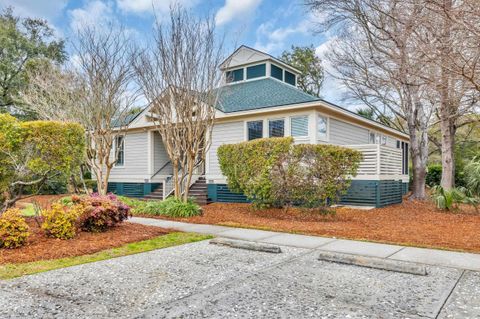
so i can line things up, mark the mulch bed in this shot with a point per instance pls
(40, 247)
(413, 223)
(45, 201)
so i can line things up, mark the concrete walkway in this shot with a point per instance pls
(411, 254)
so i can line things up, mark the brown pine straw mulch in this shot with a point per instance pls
(414, 223)
(40, 247)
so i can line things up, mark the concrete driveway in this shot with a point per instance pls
(201, 280)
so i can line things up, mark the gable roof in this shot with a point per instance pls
(263, 93)
(257, 56)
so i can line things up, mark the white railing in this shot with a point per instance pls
(169, 186)
(379, 160)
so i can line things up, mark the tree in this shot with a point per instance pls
(179, 78)
(24, 43)
(377, 61)
(310, 65)
(447, 46)
(33, 152)
(97, 93)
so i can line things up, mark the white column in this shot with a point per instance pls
(150, 151)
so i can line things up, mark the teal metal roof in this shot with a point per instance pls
(257, 94)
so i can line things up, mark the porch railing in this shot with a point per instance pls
(379, 160)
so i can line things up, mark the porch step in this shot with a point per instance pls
(198, 191)
(157, 194)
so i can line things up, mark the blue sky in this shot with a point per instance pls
(271, 26)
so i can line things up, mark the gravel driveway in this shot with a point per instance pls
(202, 280)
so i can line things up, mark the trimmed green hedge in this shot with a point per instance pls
(275, 172)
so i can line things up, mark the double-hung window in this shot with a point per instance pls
(299, 126)
(120, 150)
(276, 128)
(254, 130)
(322, 123)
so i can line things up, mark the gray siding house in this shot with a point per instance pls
(261, 99)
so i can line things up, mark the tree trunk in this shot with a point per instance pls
(190, 165)
(448, 163)
(176, 181)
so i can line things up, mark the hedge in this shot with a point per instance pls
(276, 172)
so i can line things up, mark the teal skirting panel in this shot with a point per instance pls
(405, 188)
(221, 193)
(360, 193)
(132, 189)
(391, 192)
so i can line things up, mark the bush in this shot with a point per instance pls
(13, 229)
(275, 172)
(434, 175)
(61, 221)
(174, 207)
(450, 199)
(472, 176)
(247, 166)
(100, 212)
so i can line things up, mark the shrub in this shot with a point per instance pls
(61, 221)
(247, 167)
(434, 175)
(275, 172)
(101, 212)
(450, 199)
(472, 176)
(313, 175)
(174, 207)
(13, 229)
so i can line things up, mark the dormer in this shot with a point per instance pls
(247, 64)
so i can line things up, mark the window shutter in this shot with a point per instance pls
(299, 126)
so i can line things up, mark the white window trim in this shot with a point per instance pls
(308, 125)
(276, 119)
(115, 151)
(327, 133)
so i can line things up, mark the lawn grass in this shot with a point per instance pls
(28, 210)
(9, 271)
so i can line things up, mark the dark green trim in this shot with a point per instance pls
(361, 193)
(132, 189)
(405, 187)
(221, 193)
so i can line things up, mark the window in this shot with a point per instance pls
(255, 130)
(404, 158)
(398, 144)
(289, 78)
(256, 71)
(234, 75)
(322, 127)
(299, 126)
(276, 128)
(276, 72)
(120, 150)
(384, 140)
(371, 138)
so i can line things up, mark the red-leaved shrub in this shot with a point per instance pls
(101, 212)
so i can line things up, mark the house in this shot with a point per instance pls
(262, 100)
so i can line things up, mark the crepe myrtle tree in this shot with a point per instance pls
(33, 152)
(96, 91)
(179, 77)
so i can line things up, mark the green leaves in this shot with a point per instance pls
(33, 152)
(305, 60)
(25, 43)
(275, 172)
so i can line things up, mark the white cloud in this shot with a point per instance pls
(48, 10)
(94, 13)
(151, 6)
(271, 39)
(235, 9)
